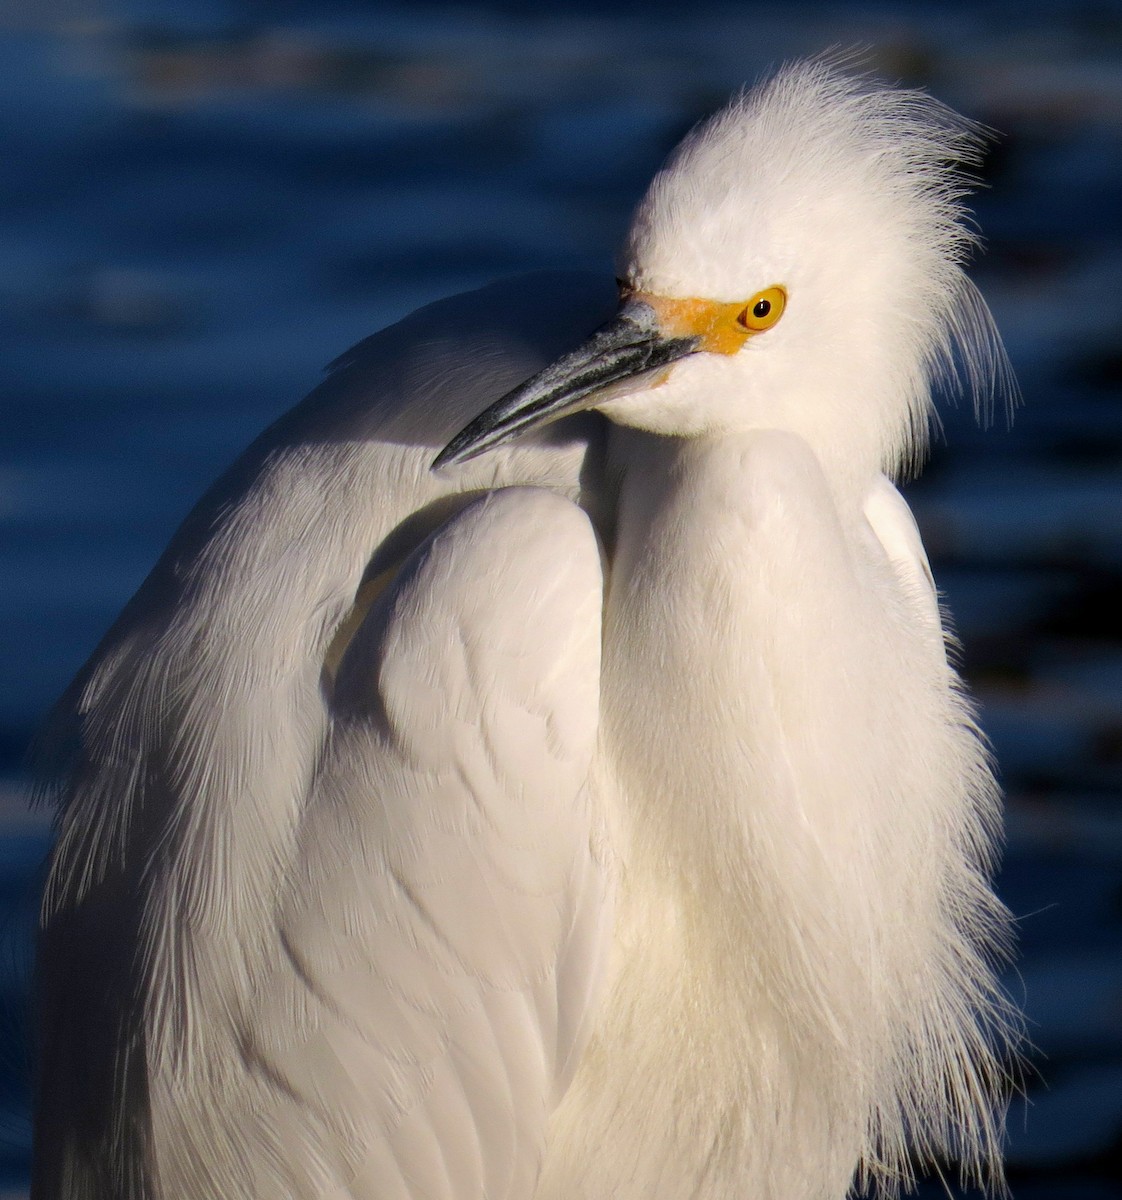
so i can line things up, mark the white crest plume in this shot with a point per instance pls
(851, 192)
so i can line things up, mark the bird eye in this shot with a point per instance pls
(763, 310)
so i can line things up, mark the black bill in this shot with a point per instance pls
(628, 345)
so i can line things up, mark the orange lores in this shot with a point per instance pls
(723, 327)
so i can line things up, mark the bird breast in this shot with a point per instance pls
(749, 629)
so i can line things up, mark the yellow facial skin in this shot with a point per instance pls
(722, 327)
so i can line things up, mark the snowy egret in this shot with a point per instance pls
(595, 815)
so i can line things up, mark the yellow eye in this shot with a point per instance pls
(763, 310)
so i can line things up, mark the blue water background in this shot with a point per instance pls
(201, 203)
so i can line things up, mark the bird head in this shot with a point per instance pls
(796, 264)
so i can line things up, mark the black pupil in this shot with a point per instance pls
(761, 309)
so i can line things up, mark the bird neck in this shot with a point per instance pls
(721, 671)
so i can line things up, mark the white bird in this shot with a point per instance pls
(598, 818)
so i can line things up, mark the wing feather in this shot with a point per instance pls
(447, 915)
(891, 520)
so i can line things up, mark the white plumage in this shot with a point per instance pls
(598, 819)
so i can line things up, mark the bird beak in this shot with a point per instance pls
(627, 347)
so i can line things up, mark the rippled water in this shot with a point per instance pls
(202, 203)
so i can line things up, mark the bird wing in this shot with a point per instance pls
(895, 528)
(443, 935)
(212, 727)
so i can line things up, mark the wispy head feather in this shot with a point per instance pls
(850, 193)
